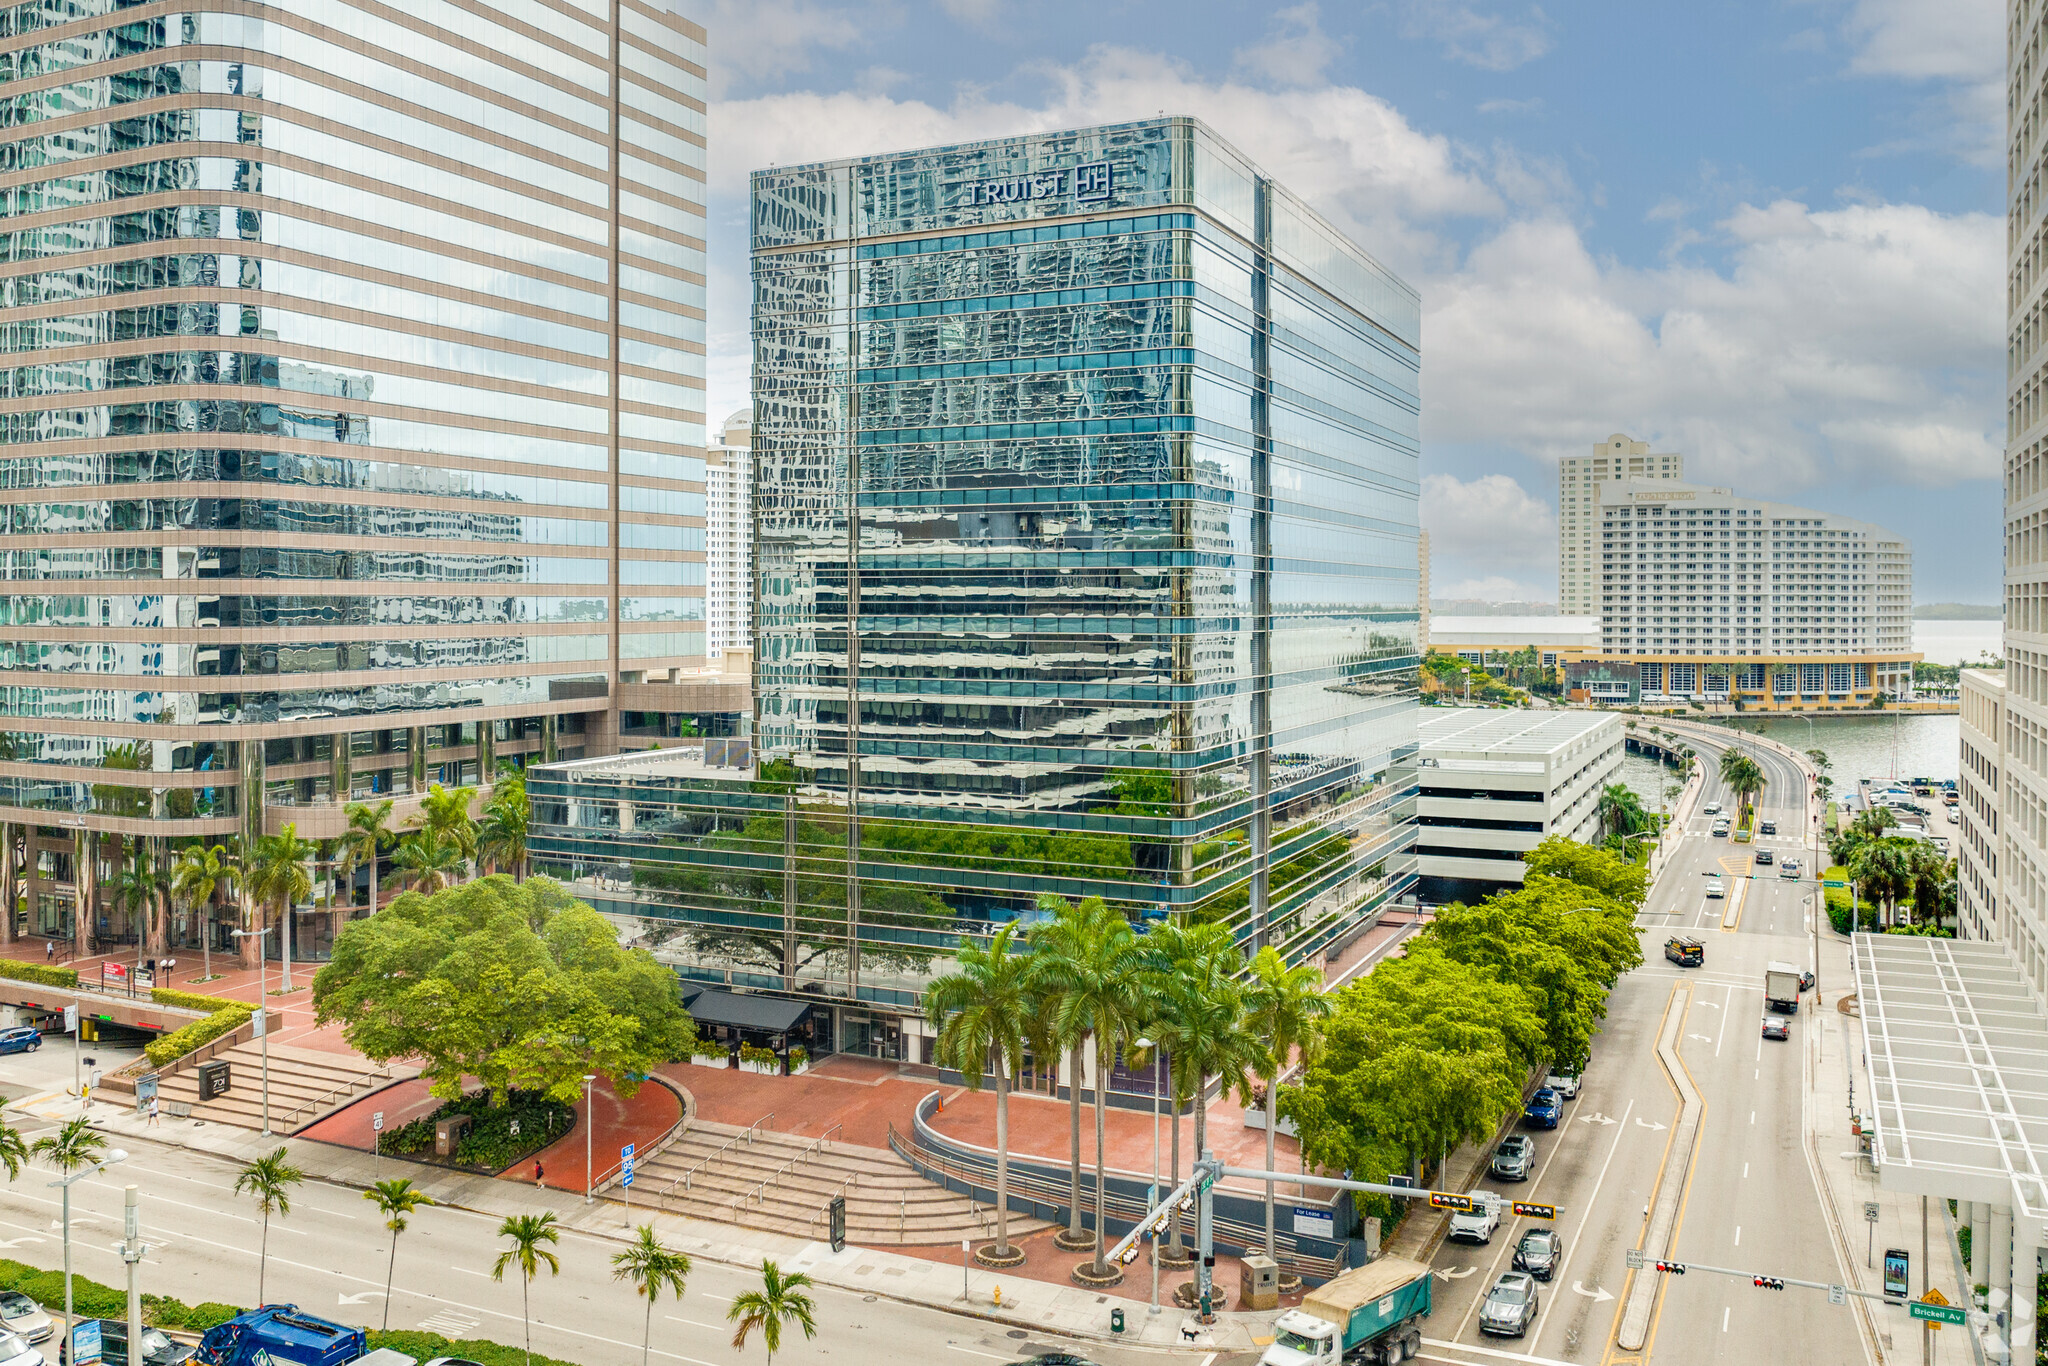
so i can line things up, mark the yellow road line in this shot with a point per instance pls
(1612, 1355)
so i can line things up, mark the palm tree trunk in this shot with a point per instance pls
(1272, 1118)
(526, 1314)
(263, 1258)
(1074, 1167)
(389, 1267)
(1174, 1248)
(647, 1328)
(1101, 1267)
(1002, 1161)
(7, 874)
(373, 879)
(251, 915)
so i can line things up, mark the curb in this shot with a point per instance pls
(1643, 1290)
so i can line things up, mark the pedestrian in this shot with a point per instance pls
(152, 1112)
(49, 949)
(538, 1173)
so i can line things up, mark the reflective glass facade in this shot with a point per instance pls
(1085, 482)
(324, 319)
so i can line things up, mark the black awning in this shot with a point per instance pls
(770, 1013)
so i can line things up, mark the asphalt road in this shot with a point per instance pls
(1750, 1199)
(329, 1257)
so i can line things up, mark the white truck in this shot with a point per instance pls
(1369, 1316)
(1781, 987)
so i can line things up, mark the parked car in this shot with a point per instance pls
(1789, 868)
(1042, 1359)
(1767, 827)
(15, 1352)
(157, 1349)
(1777, 1027)
(1544, 1109)
(1540, 1253)
(1716, 889)
(21, 1039)
(1515, 1158)
(23, 1317)
(1566, 1084)
(1510, 1306)
(1763, 856)
(1475, 1225)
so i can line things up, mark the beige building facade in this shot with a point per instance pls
(355, 434)
(1578, 512)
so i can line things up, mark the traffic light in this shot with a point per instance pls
(1768, 1283)
(1674, 1268)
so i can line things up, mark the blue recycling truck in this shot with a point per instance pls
(279, 1335)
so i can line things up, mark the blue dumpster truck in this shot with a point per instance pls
(1369, 1316)
(279, 1335)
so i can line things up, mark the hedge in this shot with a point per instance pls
(179, 1042)
(93, 1300)
(190, 1000)
(43, 973)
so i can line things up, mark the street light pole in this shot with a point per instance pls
(262, 1015)
(589, 1127)
(1148, 1046)
(64, 1185)
(133, 1249)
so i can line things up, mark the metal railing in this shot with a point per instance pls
(760, 1192)
(746, 1135)
(347, 1088)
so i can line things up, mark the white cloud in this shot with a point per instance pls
(1494, 588)
(764, 40)
(1490, 528)
(978, 13)
(1488, 41)
(1296, 50)
(1957, 46)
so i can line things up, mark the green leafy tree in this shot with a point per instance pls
(501, 835)
(1285, 1007)
(201, 871)
(529, 1234)
(652, 1266)
(396, 1199)
(445, 813)
(278, 876)
(429, 862)
(1621, 811)
(516, 984)
(269, 1180)
(780, 1300)
(982, 1012)
(369, 835)
(1883, 870)
(1598, 870)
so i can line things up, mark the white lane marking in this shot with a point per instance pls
(215, 1185)
(1480, 1351)
(220, 1214)
(1745, 1171)
(1572, 1248)
(467, 1272)
(1752, 1116)
(1738, 1235)
(1723, 1032)
(676, 1318)
(1724, 1319)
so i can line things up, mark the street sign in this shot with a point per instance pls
(1633, 1258)
(1870, 1211)
(70, 1019)
(259, 1023)
(1450, 1200)
(1525, 1210)
(1208, 1180)
(377, 1122)
(626, 1153)
(1936, 1314)
(1838, 1294)
(838, 1223)
(626, 1175)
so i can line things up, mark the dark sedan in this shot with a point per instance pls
(1540, 1253)
(1777, 1027)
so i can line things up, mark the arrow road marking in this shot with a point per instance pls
(1595, 1118)
(363, 1298)
(17, 1242)
(1595, 1294)
(1457, 1274)
(1647, 1123)
(1703, 1038)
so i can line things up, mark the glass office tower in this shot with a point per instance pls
(352, 428)
(1085, 485)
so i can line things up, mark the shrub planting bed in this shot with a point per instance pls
(491, 1146)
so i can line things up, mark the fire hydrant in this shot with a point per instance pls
(999, 1297)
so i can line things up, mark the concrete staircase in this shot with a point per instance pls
(305, 1084)
(761, 1179)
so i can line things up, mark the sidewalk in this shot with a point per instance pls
(1848, 1184)
(1026, 1304)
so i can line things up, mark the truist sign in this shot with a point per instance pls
(1089, 184)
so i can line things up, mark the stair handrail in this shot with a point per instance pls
(747, 1135)
(383, 1073)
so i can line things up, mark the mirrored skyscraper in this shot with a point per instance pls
(351, 436)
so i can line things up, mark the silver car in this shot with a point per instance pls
(1510, 1306)
(23, 1317)
(15, 1352)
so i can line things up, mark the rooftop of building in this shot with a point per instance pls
(1492, 734)
(1513, 630)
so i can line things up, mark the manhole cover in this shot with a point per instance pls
(1015, 1333)
(870, 1299)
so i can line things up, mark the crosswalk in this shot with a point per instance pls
(449, 1324)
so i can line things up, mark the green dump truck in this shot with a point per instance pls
(1369, 1316)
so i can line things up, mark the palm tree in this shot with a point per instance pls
(501, 836)
(527, 1232)
(1100, 1001)
(652, 1267)
(445, 812)
(979, 1011)
(270, 1180)
(1286, 1008)
(1203, 1028)
(780, 1300)
(1176, 951)
(1740, 772)
(395, 1199)
(1055, 941)
(138, 890)
(72, 1148)
(278, 879)
(200, 869)
(369, 834)
(1621, 811)
(13, 1149)
(428, 862)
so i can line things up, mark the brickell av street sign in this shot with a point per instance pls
(1935, 1309)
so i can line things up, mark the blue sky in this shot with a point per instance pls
(1768, 235)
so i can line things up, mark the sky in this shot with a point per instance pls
(1763, 233)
